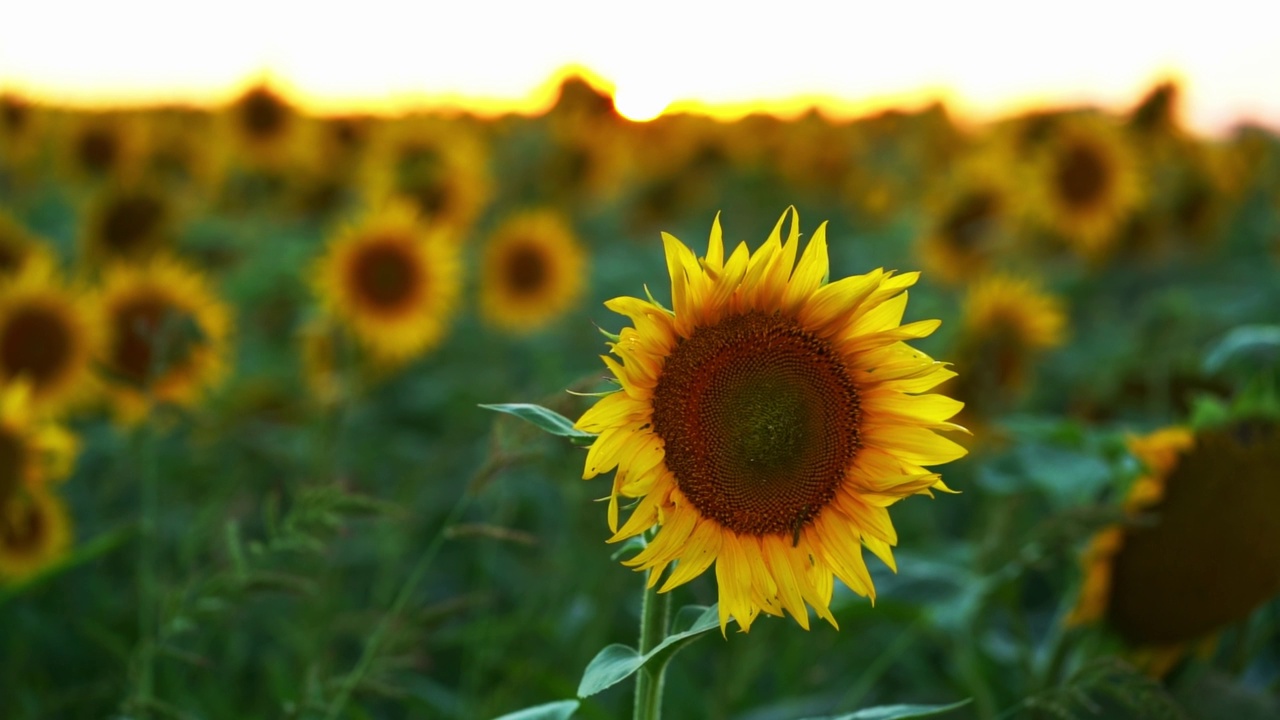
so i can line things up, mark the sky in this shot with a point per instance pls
(983, 57)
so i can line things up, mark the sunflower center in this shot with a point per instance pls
(14, 114)
(526, 270)
(969, 219)
(264, 115)
(10, 257)
(760, 422)
(151, 335)
(1083, 176)
(129, 222)
(13, 458)
(385, 277)
(35, 342)
(22, 530)
(1212, 554)
(97, 150)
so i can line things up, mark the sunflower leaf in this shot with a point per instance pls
(618, 662)
(896, 712)
(559, 710)
(547, 420)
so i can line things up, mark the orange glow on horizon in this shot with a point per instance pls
(987, 59)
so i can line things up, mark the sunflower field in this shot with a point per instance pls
(539, 417)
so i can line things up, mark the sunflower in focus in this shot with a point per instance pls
(19, 247)
(1210, 539)
(1087, 183)
(394, 281)
(533, 271)
(128, 223)
(767, 421)
(35, 532)
(34, 451)
(439, 166)
(48, 337)
(166, 336)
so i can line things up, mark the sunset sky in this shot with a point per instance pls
(983, 57)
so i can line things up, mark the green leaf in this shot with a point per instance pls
(1259, 341)
(548, 420)
(559, 710)
(896, 712)
(618, 662)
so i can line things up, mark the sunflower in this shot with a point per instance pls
(533, 271)
(1007, 320)
(35, 532)
(971, 219)
(1211, 539)
(393, 281)
(439, 166)
(48, 337)
(1157, 115)
(18, 247)
(34, 450)
(166, 335)
(767, 421)
(264, 126)
(178, 154)
(21, 126)
(129, 223)
(101, 146)
(1008, 323)
(1087, 182)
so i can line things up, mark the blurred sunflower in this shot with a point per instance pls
(1008, 323)
(1007, 320)
(767, 421)
(1211, 540)
(35, 532)
(99, 147)
(264, 127)
(533, 271)
(18, 247)
(970, 221)
(34, 450)
(178, 154)
(21, 126)
(438, 165)
(127, 223)
(393, 280)
(166, 336)
(48, 337)
(1087, 183)
(1157, 114)
(587, 166)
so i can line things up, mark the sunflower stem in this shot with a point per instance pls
(655, 619)
(144, 440)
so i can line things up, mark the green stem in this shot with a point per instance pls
(655, 620)
(147, 545)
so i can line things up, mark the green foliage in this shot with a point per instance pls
(561, 710)
(896, 712)
(618, 662)
(546, 420)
